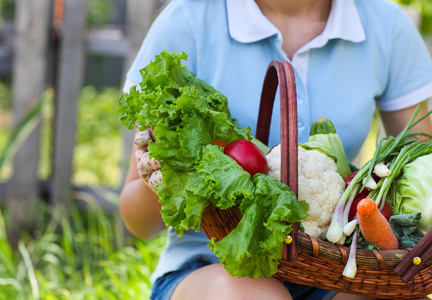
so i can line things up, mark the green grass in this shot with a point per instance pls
(85, 257)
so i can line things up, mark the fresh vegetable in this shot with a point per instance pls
(405, 226)
(349, 178)
(369, 183)
(412, 191)
(353, 209)
(254, 247)
(248, 156)
(350, 226)
(187, 115)
(374, 226)
(381, 170)
(220, 143)
(395, 152)
(386, 211)
(324, 132)
(261, 145)
(319, 184)
(350, 269)
(254, 140)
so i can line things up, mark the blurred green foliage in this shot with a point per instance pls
(425, 8)
(97, 154)
(7, 9)
(98, 142)
(5, 96)
(101, 11)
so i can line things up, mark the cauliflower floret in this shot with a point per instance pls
(319, 184)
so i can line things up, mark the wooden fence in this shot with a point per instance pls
(52, 37)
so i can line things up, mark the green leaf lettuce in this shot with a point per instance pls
(187, 114)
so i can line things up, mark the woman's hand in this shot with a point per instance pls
(148, 168)
(139, 205)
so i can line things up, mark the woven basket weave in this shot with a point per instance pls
(386, 274)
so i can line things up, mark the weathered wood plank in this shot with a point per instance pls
(69, 84)
(29, 82)
(139, 17)
(109, 40)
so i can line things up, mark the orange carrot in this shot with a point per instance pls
(374, 226)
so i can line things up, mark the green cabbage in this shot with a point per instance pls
(412, 191)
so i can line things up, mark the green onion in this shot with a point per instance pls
(394, 151)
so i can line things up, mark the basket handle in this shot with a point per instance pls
(421, 252)
(282, 74)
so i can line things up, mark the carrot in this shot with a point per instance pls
(374, 226)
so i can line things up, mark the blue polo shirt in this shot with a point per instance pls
(369, 55)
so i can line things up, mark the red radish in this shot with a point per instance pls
(386, 211)
(353, 208)
(248, 156)
(349, 178)
(220, 143)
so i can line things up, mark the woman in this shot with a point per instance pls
(349, 56)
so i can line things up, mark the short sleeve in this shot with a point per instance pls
(410, 67)
(170, 31)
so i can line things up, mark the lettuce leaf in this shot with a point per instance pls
(187, 114)
(255, 246)
(224, 183)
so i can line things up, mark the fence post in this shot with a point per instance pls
(139, 17)
(69, 83)
(29, 82)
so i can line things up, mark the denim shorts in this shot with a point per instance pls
(164, 286)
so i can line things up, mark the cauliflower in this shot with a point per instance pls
(319, 184)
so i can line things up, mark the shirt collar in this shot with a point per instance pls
(247, 24)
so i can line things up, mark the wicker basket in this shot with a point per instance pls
(386, 274)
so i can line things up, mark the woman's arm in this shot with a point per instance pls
(395, 121)
(139, 205)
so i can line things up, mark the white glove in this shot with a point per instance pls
(148, 168)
